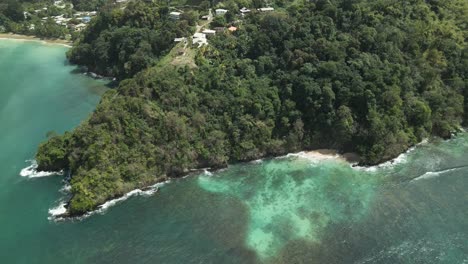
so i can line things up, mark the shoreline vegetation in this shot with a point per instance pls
(360, 76)
(318, 155)
(19, 37)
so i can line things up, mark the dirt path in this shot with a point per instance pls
(185, 55)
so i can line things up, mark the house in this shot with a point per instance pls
(80, 27)
(60, 20)
(209, 32)
(266, 9)
(199, 35)
(174, 15)
(180, 39)
(244, 10)
(232, 28)
(220, 12)
(199, 39)
(59, 4)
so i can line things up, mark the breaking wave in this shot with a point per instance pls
(434, 174)
(257, 161)
(57, 213)
(151, 190)
(31, 171)
(207, 172)
(312, 156)
(401, 159)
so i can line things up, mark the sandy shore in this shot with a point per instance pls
(325, 154)
(33, 38)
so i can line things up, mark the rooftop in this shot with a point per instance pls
(209, 31)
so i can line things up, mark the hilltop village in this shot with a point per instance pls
(61, 19)
(57, 20)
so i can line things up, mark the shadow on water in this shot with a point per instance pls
(108, 82)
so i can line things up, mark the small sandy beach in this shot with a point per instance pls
(325, 154)
(33, 38)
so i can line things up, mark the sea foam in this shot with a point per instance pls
(434, 174)
(151, 190)
(57, 212)
(31, 171)
(207, 172)
(401, 159)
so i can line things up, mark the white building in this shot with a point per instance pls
(180, 39)
(59, 4)
(220, 12)
(175, 15)
(80, 27)
(266, 9)
(199, 39)
(209, 32)
(199, 35)
(244, 10)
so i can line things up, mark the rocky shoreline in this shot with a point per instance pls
(322, 154)
(317, 155)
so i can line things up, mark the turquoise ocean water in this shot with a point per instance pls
(285, 210)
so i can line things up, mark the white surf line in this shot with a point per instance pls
(31, 171)
(57, 212)
(103, 207)
(402, 158)
(312, 155)
(207, 172)
(257, 161)
(65, 189)
(434, 174)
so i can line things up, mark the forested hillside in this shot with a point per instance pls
(121, 43)
(374, 77)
